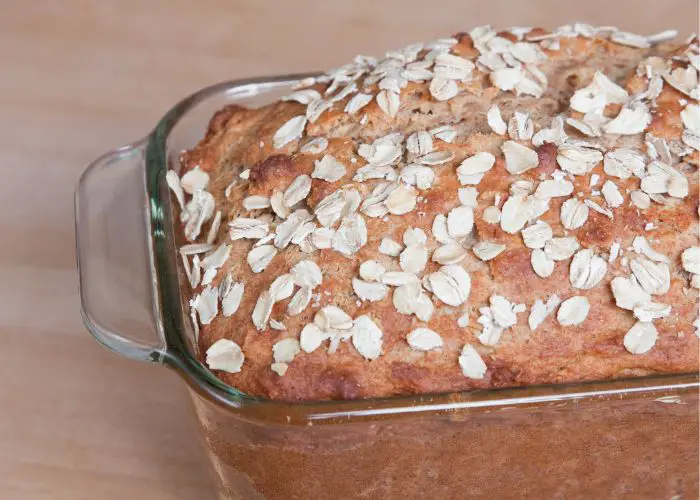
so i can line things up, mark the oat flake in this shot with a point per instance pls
(256, 202)
(173, 182)
(537, 234)
(405, 297)
(492, 215)
(371, 270)
(612, 194)
(389, 247)
(520, 127)
(540, 311)
(328, 169)
(460, 221)
(623, 162)
(467, 196)
(495, 120)
(389, 102)
(231, 301)
(297, 191)
(573, 311)
(311, 338)
(502, 311)
(314, 146)
(640, 338)
(419, 143)
(654, 277)
(260, 257)
(225, 355)
(587, 269)
(578, 159)
(262, 310)
(445, 133)
(304, 96)
(486, 250)
(649, 311)
(398, 278)
(519, 158)
(574, 213)
(242, 227)
(369, 291)
(299, 302)
(424, 339)
(290, 131)
(691, 260)
(553, 188)
(402, 200)
(451, 284)
(367, 337)
(561, 248)
(414, 258)
(471, 170)
(285, 350)
(631, 120)
(641, 245)
(640, 199)
(449, 254)
(357, 102)
(443, 89)
(628, 293)
(471, 363)
(515, 213)
(194, 180)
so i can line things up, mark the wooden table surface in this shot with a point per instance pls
(80, 77)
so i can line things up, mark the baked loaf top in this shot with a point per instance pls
(487, 210)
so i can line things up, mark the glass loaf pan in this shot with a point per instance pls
(636, 437)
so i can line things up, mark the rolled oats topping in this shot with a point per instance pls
(397, 214)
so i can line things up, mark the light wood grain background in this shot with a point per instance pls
(80, 77)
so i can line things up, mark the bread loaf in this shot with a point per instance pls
(487, 210)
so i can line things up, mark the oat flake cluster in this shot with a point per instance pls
(606, 162)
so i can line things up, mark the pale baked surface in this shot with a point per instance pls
(239, 139)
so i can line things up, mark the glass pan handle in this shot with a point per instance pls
(114, 255)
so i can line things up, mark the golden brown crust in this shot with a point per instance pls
(239, 139)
